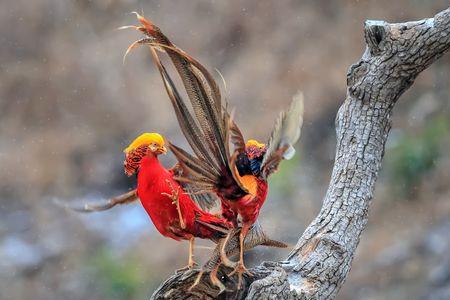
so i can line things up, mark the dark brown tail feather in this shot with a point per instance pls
(213, 132)
(275, 244)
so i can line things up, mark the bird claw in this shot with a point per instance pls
(227, 262)
(223, 256)
(175, 192)
(189, 267)
(213, 278)
(197, 280)
(216, 282)
(240, 269)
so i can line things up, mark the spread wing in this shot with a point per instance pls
(283, 137)
(208, 129)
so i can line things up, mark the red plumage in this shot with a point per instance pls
(248, 206)
(153, 182)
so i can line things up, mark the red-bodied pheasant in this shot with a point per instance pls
(171, 209)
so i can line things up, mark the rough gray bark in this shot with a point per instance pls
(320, 262)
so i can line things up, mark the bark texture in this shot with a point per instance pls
(320, 262)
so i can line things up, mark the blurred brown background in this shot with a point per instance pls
(68, 106)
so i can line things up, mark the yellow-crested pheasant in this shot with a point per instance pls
(169, 204)
(238, 177)
(170, 207)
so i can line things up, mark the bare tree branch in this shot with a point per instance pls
(320, 262)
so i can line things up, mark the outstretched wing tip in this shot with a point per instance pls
(284, 136)
(299, 96)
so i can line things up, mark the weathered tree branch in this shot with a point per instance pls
(319, 264)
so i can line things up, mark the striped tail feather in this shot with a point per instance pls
(202, 91)
(208, 131)
(188, 125)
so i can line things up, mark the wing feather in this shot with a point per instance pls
(285, 134)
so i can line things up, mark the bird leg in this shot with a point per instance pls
(240, 269)
(175, 200)
(223, 255)
(254, 237)
(191, 262)
(212, 276)
(214, 263)
(197, 280)
(215, 280)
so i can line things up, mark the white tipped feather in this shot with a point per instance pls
(289, 153)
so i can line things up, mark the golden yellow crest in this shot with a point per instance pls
(146, 139)
(254, 143)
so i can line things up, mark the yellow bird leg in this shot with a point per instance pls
(240, 269)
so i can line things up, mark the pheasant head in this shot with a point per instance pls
(143, 145)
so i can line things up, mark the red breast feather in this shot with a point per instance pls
(152, 183)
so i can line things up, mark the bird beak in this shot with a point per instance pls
(161, 150)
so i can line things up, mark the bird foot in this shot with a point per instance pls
(190, 266)
(197, 280)
(226, 261)
(240, 269)
(223, 256)
(214, 280)
(175, 192)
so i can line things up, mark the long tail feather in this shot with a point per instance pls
(129, 197)
(275, 244)
(197, 81)
(207, 128)
(184, 117)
